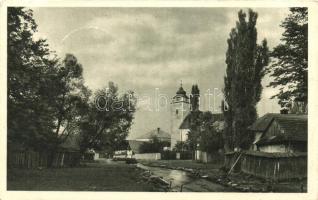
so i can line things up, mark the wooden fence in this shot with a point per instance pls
(230, 159)
(274, 166)
(32, 159)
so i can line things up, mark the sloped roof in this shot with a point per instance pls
(158, 133)
(181, 93)
(263, 122)
(294, 127)
(187, 120)
(71, 143)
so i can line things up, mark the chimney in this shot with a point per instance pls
(158, 129)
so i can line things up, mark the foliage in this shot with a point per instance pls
(194, 132)
(28, 60)
(181, 146)
(47, 98)
(44, 94)
(155, 145)
(203, 134)
(290, 59)
(245, 68)
(108, 120)
(211, 140)
(68, 97)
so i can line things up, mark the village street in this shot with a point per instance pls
(107, 175)
(157, 99)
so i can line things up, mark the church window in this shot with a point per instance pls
(177, 111)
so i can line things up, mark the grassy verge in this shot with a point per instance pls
(92, 177)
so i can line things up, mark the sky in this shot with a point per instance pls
(152, 50)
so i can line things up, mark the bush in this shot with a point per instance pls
(168, 155)
(186, 155)
(131, 161)
(127, 160)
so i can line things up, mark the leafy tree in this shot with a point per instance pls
(68, 97)
(194, 130)
(290, 60)
(29, 62)
(181, 146)
(108, 120)
(210, 139)
(46, 97)
(203, 135)
(245, 68)
(195, 98)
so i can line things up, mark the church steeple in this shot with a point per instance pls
(181, 95)
(180, 107)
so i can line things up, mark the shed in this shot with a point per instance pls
(280, 133)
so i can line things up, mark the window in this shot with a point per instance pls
(177, 111)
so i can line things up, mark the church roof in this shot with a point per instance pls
(158, 133)
(187, 120)
(181, 93)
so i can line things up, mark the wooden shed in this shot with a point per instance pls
(280, 133)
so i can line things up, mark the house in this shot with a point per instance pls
(160, 134)
(280, 133)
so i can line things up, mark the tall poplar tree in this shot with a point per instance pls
(245, 68)
(195, 98)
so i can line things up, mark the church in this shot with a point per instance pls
(179, 109)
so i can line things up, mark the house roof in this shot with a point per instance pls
(156, 132)
(187, 120)
(263, 122)
(293, 127)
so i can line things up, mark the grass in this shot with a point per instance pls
(116, 176)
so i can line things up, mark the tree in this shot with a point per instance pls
(46, 97)
(289, 66)
(194, 130)
(68, 97)
(210, 139)
(108, 120)
(29, 61)
(242, 84)
(195, 98)
(181, 146)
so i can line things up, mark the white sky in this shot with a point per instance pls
(146, 48)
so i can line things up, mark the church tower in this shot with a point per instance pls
(180, 107)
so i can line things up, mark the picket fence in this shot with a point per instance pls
(33, 159)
